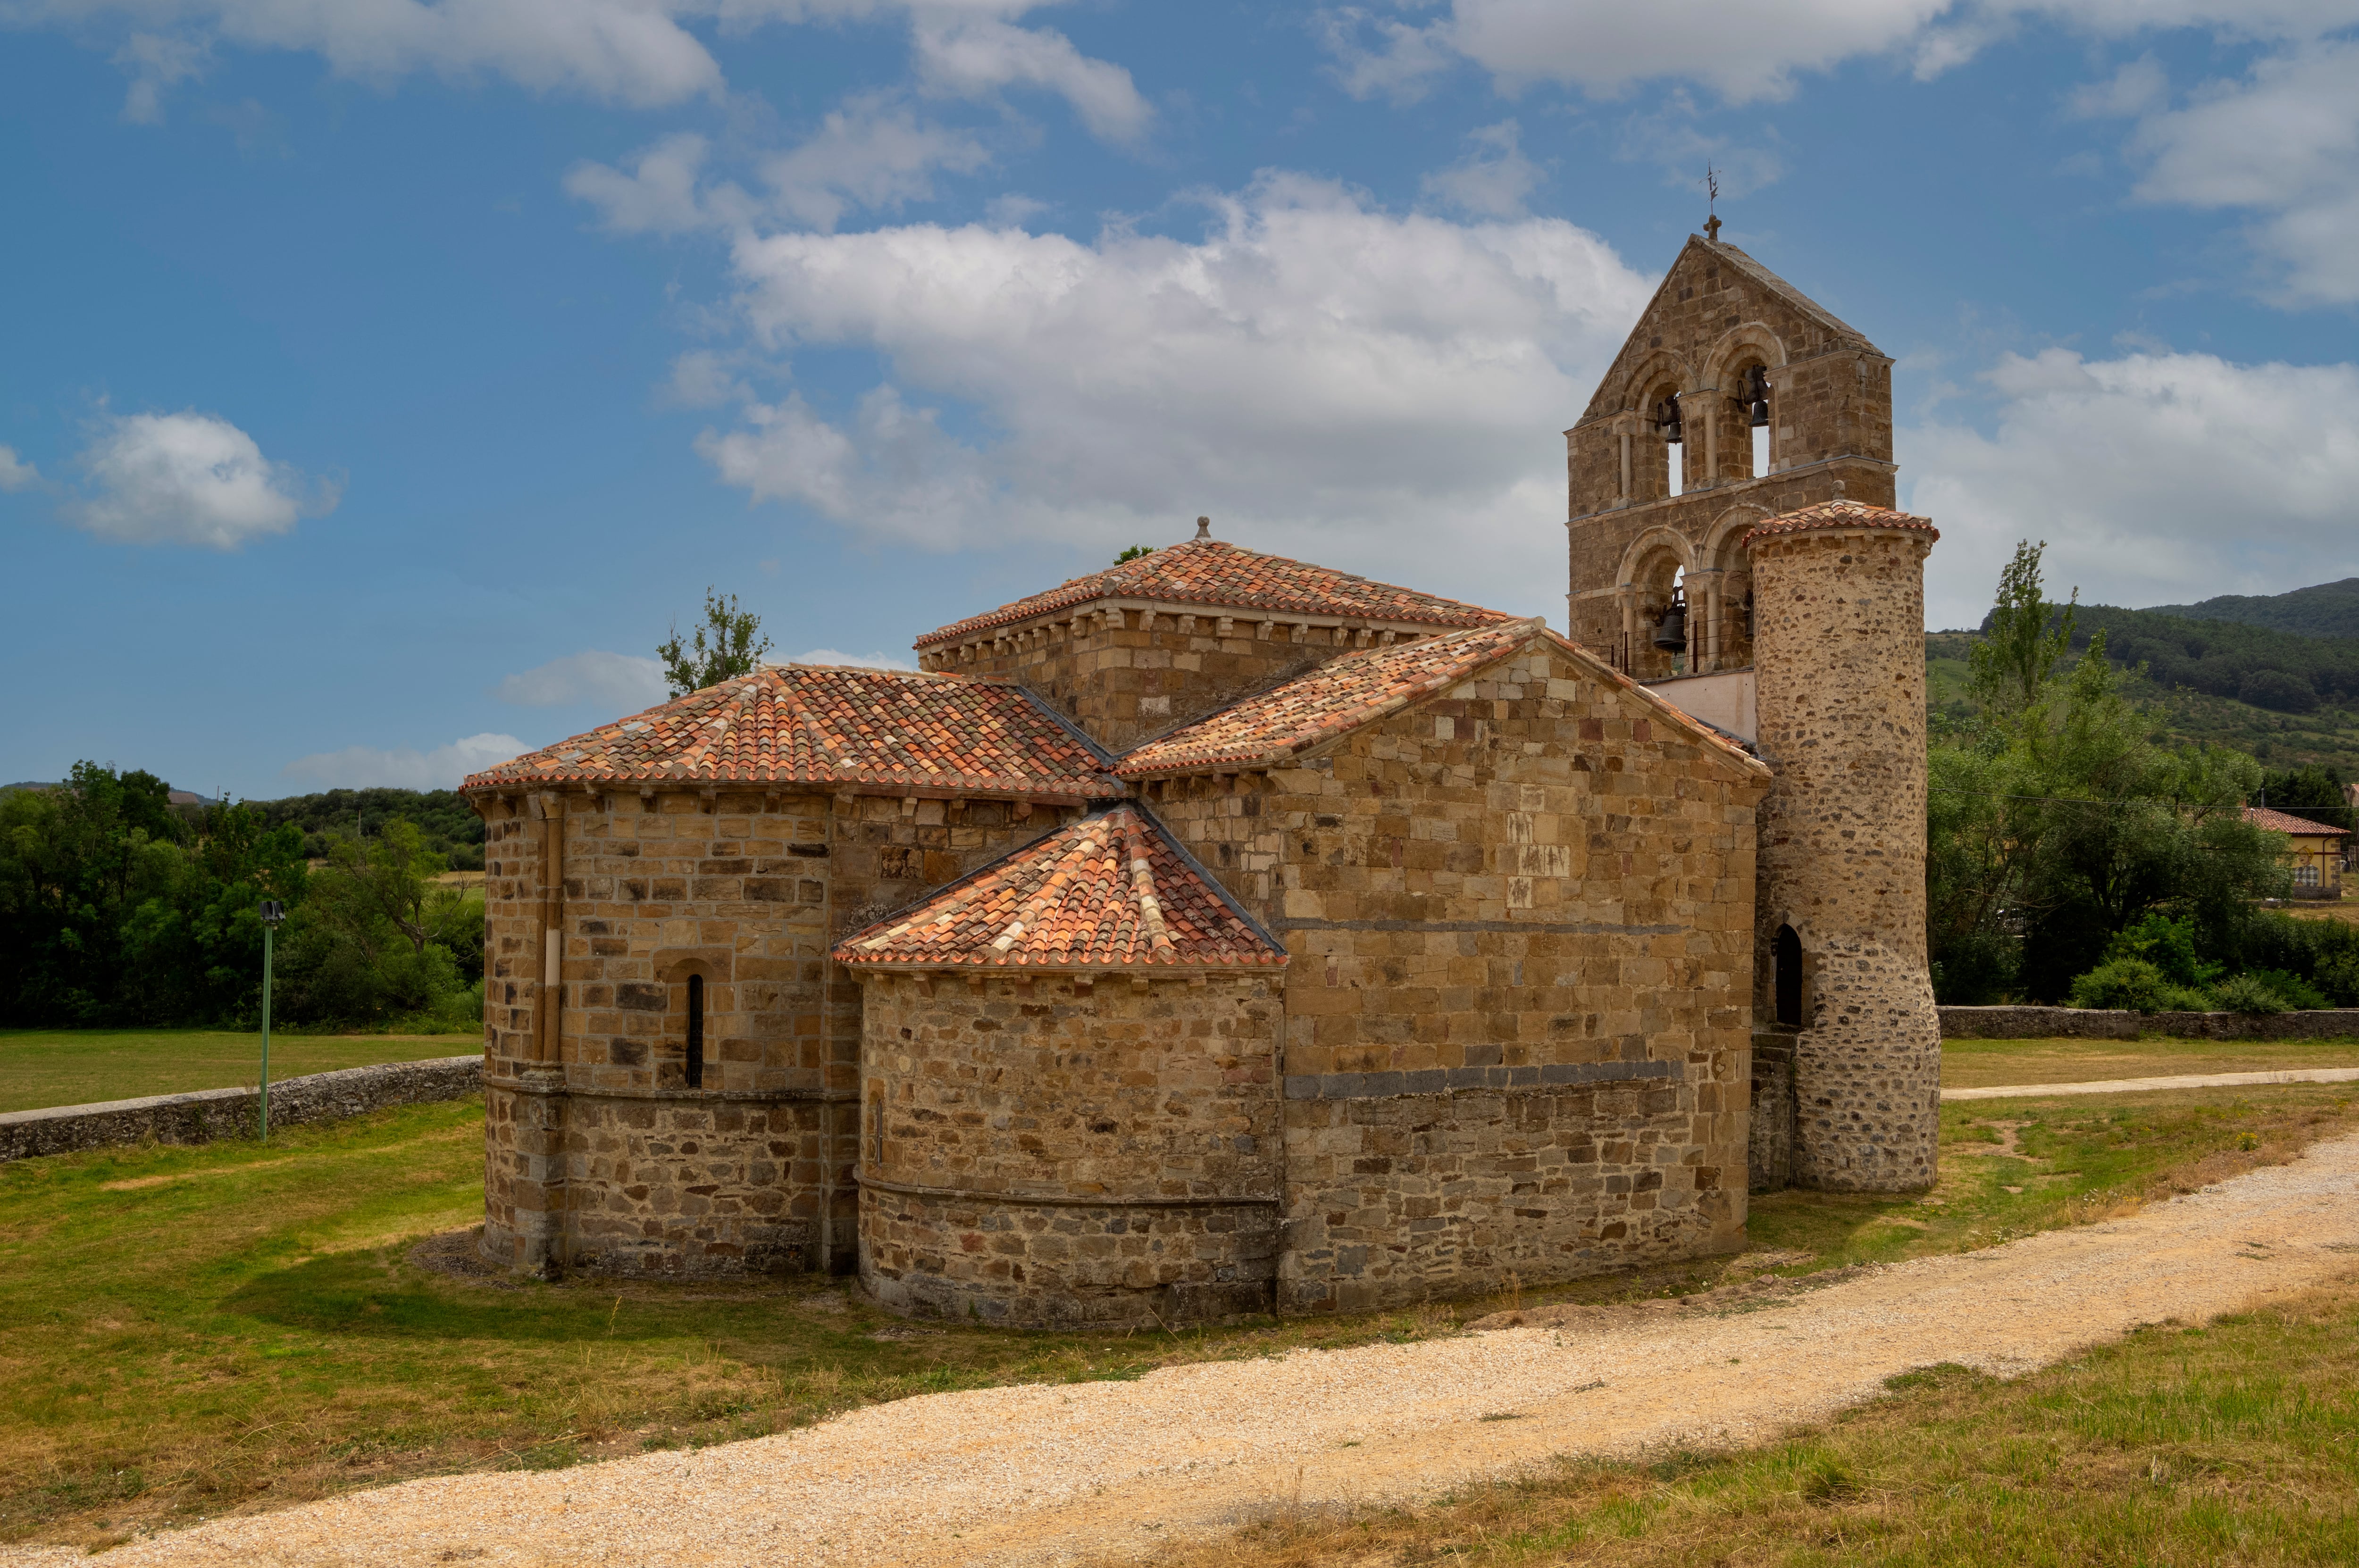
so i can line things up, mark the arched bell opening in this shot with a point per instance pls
(1663, 470)
(1660, 640)
(1755, 418)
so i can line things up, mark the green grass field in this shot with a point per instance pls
(1988, 1064)
(42, 1067)
(228, 1327)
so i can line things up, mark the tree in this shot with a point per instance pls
(2019, 649)
(722, 649)
(1133, 553)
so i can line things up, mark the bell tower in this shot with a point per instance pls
(1735, 544)
(1726, 348)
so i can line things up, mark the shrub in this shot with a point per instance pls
(2339, 978)
(2292, 990)
(2130, 983)
(2168, 945)
(2247, 994)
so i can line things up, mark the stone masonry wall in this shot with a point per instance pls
(1067, 1150)
(1123, 675)
(1840, 669)
(1830, 405)
(748, 890)
(1518, 1015)
(207, 1114)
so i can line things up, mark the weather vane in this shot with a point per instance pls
(1712, 199)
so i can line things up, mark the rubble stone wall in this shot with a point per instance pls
(207, 1114)
(1070, 1150)
(1518, 1013)
(1840, 667)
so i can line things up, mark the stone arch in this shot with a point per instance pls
(1657, 368)
(1659, 373)
(1723, 542)
(1725, 366)
(1730, 348)
(1650, 568)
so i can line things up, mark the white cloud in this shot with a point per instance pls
(627, 51)
(365, 767)
(878, 661)
(622, 681)
(1744, 50)
(2283, 143)
(871, 153)
(1494, 177)
(14, 473)
(972, 57)
(189, 479)
(2157, 478)
(1325, 378)
(156, 63)
(703, 379)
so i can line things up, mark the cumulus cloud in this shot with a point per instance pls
(15, 473)
(870, 153)
(1746, 51)
(972, 57)
(189, 479)
(1494, 177)
(878, 661)
(1365, 387)
(622, 681)
(367, 767)
(2282, 143)
(154, 62)
(2158, 478)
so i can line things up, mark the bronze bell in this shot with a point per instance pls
(1758, 391)
(1671, 632)
(1667, 415)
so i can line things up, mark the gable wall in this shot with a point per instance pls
(1516, 1019)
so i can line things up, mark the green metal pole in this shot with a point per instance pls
(268, 933)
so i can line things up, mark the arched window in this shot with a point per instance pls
(1757, 415)
(696, 1031)
(1785, 962)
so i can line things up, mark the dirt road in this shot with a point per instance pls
(1043, 1475)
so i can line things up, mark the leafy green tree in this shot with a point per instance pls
(380, 934)
(2023, 638)
(722, 648)
(1133, 552)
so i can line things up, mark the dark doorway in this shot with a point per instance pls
(696, 1031)
(1786, 963)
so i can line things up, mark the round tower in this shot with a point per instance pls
(1838, 652)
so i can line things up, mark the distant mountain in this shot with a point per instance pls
(2328, 609)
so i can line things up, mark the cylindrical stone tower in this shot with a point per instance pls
(1839, 652)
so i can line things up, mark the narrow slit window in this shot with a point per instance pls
(696, 1031)
(1785, 960)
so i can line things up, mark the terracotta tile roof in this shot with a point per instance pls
(1841, 515)
(1219, 574)
(1343, 694)
(885, 730)
(1277, 725)
(2279, 822)
(1111, 890)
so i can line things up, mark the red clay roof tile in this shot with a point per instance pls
(1840, 515)
(1219, 574)
(2279, 822)
(1109, 891)
(834, 725)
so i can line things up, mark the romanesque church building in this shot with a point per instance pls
(1221, 933)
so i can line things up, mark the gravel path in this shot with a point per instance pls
(1043, 1475)
(2187, 1081)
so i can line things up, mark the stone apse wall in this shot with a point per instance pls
(1520, 917)
(602, 1158)
(1070, 1149)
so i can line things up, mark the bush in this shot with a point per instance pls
(2292, 990)
(2130, 983)
(2168, 945)
(2247, 994)
(2339, 978)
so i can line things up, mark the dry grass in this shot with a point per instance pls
(1991, 1064)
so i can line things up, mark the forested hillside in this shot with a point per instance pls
(448, 823)
(2328, 609)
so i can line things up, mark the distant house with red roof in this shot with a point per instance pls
(2315, 849)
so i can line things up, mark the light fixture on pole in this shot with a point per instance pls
(273, 912)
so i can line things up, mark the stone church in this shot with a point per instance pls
(1220, 933)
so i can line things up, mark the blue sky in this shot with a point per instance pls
(380, 380)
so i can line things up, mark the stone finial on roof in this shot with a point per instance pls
(1204, 528)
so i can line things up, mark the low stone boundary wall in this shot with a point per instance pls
(2098, 1023)
(208, 1114)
